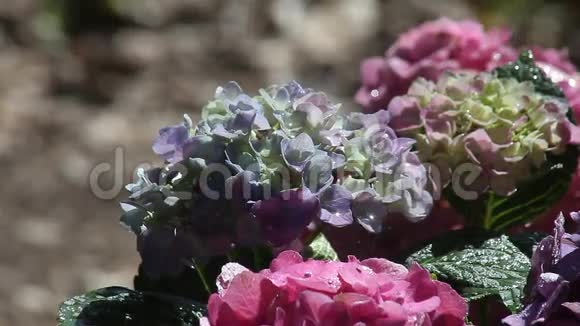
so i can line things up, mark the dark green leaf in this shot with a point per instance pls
(188, 283)
(120, 306)
(525, 69)
(492, 267)
(526, 241)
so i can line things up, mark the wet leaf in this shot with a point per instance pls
(121, 306)
(493, 267)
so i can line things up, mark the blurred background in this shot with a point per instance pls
(89, 82)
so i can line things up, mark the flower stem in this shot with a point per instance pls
(201, 274)
(488, 217)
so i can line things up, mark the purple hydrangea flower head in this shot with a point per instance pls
(382, 172)
(554, 283)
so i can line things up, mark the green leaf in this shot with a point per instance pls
(492, 267)
(121, 306)
(525, 69)
(321, 249)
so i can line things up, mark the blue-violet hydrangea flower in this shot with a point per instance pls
(261, 170)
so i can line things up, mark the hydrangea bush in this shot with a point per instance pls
(261, 181)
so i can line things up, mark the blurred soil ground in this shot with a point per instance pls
(79, 79)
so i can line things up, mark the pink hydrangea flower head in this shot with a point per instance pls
(435, 46)
(427, 51)
(500, 126)
(369, 292)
